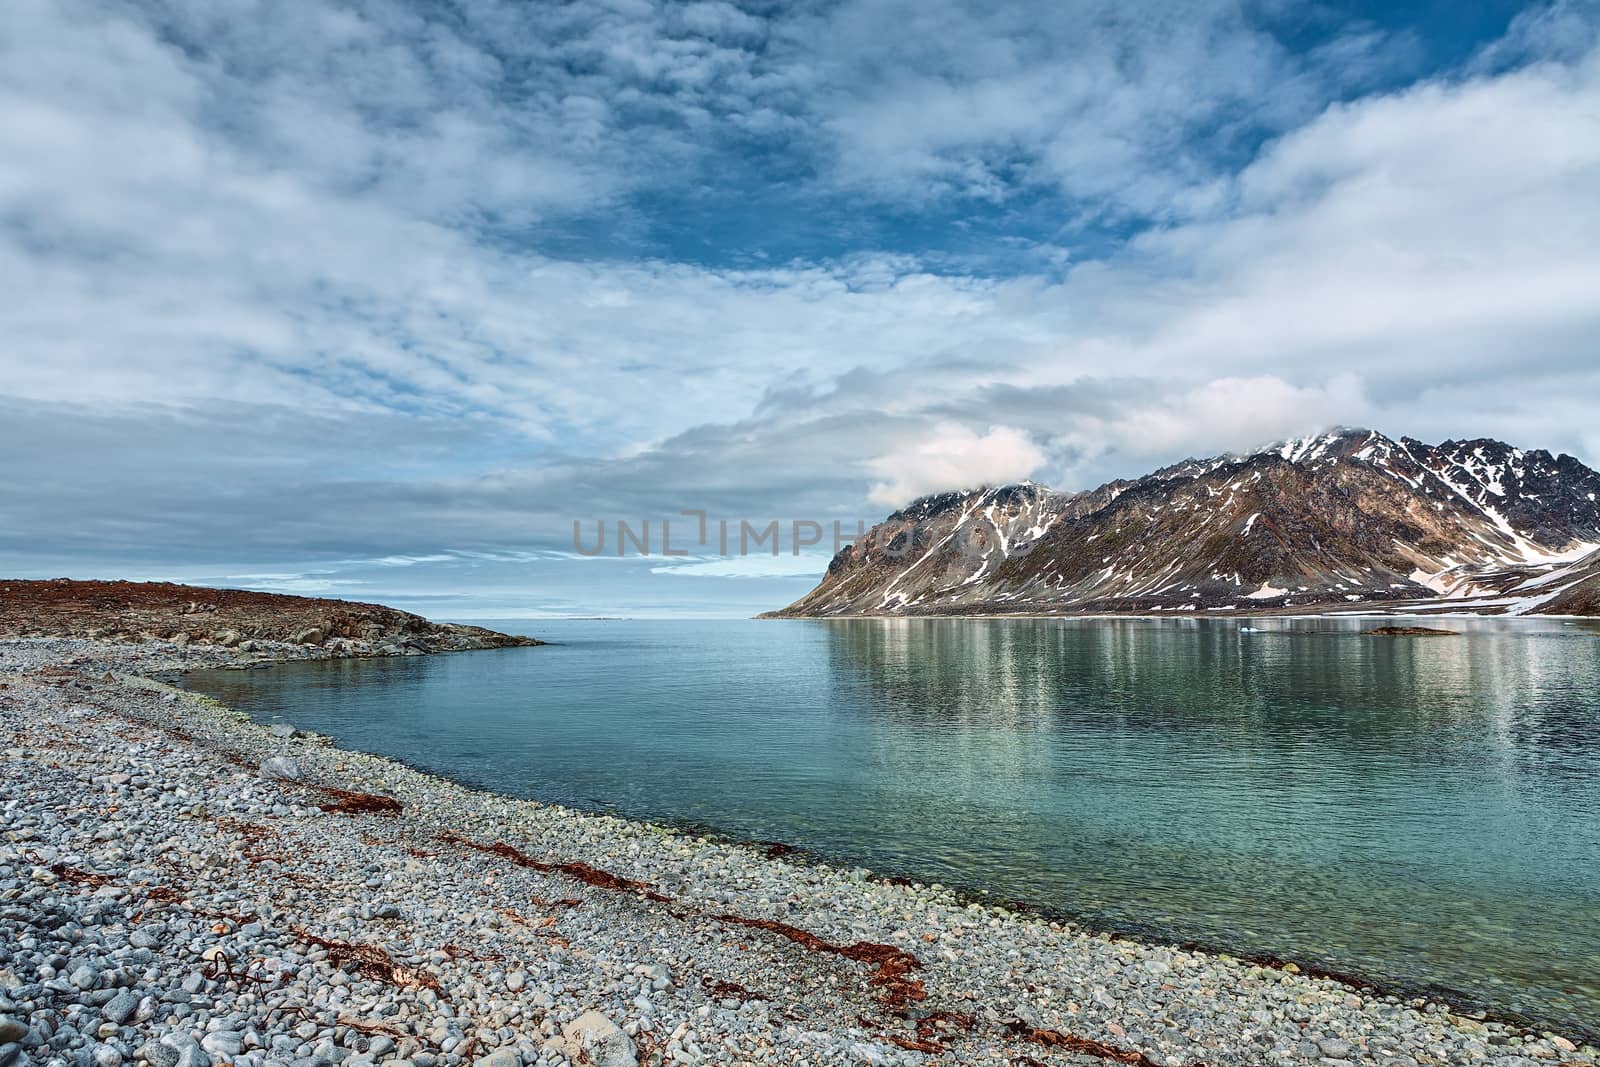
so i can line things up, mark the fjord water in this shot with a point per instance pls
(1423, 812)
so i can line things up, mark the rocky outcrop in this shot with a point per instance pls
(1580, 595)
(1349, 519)
(191, 615)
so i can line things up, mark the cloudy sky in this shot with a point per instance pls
(374, 298)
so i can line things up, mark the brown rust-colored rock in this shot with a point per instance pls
(190, 614)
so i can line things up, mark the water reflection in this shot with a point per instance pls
(1421, 810)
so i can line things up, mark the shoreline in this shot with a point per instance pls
(1143, 934)
(879, 971)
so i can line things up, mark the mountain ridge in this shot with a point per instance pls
(1348, 518)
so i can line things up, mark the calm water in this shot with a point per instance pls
(1424, 812)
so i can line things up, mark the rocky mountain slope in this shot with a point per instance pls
(185, 614)
(1349, 519)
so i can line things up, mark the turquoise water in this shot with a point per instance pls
(1423, 812)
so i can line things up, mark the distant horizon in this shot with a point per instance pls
(469, 606)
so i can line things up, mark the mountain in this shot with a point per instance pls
(1349, 518)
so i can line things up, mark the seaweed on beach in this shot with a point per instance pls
(934, 1022)
(1081, 1045)
(721, 987)
(933, 1030)
(370, 961)
(221, 968)
(456, 952)
(255, 835)
(349, 802)
(893, 964)
(72, 874)
(1312, 970)
(915, 1044)
(371, 1028)
(583, 872)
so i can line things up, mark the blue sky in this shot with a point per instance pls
(374, 299)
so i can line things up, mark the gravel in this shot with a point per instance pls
(168, 899)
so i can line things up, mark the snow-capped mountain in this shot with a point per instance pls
(1349, 518)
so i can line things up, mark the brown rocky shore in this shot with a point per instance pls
(184, 615)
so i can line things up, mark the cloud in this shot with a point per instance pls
(953, 457)
(1227, 414)
(1126, 109)
(783, 565)
(291, 288)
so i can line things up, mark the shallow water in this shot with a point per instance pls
(1423, 812)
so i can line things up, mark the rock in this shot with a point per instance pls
(659, 975)
(515, 981)
(107, 1056)
(223, 1043)
(85, 977)
(594, 1036)
(283, 729)
(284, 767)
(226, 638)
(1562, 1043)
(312, 636)
(120, 1008)
(1334, 1048)
(12, 1030)
(158, 1054)
(9, 1054)
(188, 1049)
(500, 1057)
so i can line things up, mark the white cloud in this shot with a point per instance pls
(1126, 108)
(951, 456)
(292, 252)
(1228, 414)
(783, 565)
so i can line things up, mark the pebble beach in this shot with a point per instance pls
(182, 887)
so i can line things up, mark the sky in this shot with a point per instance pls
(374, 299)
